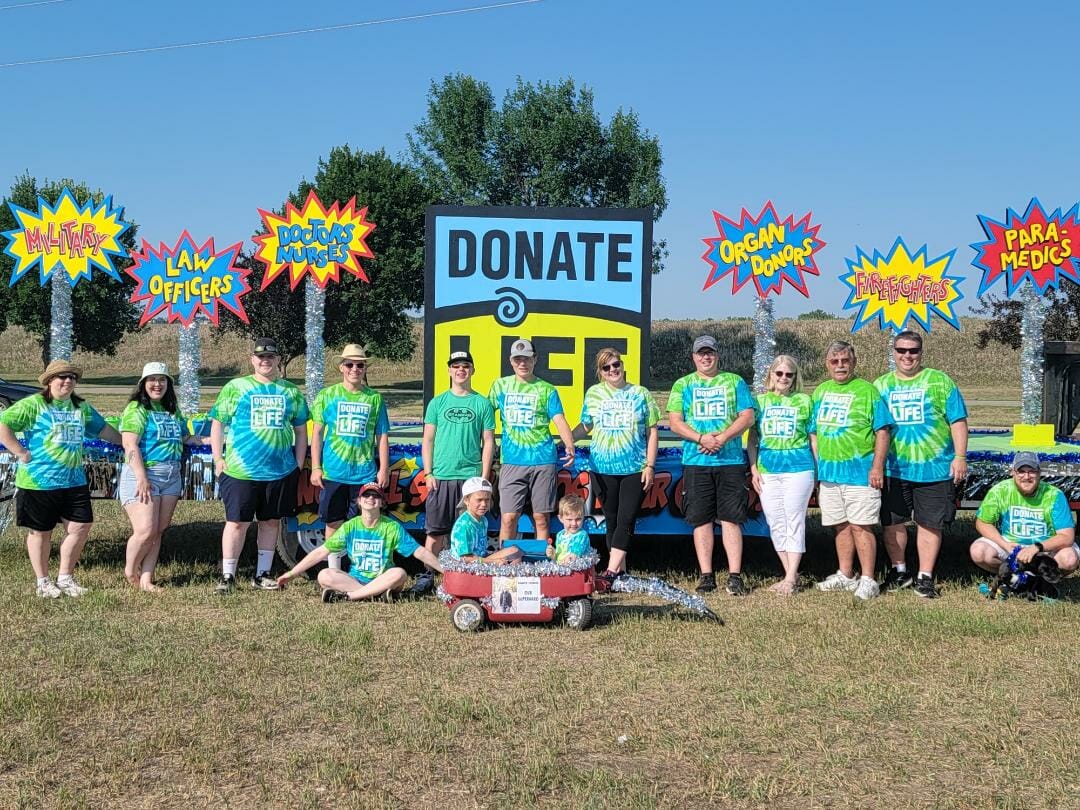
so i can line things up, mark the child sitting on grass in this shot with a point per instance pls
(370, 540)
(469, 538)
(573, 541)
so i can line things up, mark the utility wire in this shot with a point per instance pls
(14, 6)
(275, 35)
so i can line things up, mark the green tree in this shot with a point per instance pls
(374, 314)
(817, 315)
(545, 146)
(1003, 326)
(101, 310)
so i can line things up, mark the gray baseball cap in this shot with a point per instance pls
(704, 342)
(522, 348)
(1026, 459)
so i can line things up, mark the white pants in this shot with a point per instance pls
(784, 497)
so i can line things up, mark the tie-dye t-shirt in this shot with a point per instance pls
(567, 543)
(619, 419)
(526, 410)
(371, 550)
(161, 434)
(710, 405)
(53, 433)
(846, 417)
(260, 418)
(469, 536)
(352, 423)
(784, 425)
(923, 408)
(1026, 520)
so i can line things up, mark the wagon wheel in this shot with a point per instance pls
(467, 616)
(577, 614)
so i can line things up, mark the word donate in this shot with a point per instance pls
(900, 285)
(1034, 245)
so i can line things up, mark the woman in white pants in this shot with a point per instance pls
(783, 452)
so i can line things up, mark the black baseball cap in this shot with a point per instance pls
(265, 346)
(460, 357)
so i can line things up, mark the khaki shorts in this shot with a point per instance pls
(848, 503)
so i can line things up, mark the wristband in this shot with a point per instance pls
(650, 466)
(1040, 547)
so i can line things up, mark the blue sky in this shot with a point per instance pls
(884, 119)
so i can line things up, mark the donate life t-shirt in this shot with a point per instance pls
(923, 408)
(846, 416)
(371, 550)
(352, 423)
(619, 419)
(161, 434)
(1026, 520)
(260, 418)
(460, 422)
(784, 425)
(526, 409)
(576, 543)
(469, 536)
(53, 433)
(710, 405)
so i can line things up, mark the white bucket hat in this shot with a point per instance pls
(154, 369)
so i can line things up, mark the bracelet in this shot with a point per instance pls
(1040, 547)
(313, 469)
(650, 466)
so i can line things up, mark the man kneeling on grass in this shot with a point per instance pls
(370, 540)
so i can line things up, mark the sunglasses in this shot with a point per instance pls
(66, 377)
(905, 350)
(360, 366)
(787, 375)
(371, 495)
(612, 366)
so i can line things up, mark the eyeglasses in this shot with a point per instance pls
(839, 361)
(360, 366)
(1026, 471)
(906, 350)
(614, 365)
(66, 377)
(705, 353)
(787, 375)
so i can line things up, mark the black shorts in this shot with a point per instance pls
(441, 506)
(41, 509)
(337, 501)
(715, 493)
(258, 500)
(932, 505)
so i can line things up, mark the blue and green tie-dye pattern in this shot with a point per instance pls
(526, 410)
(784, 425)
(53, 433)
(1026, 520)
(161, 434)
(619, 419)
(260, 418)
(352, 423)
(846, 416)
(710, 405)
(923, 408)
(371, 550)
(576, 543)
(469, 536)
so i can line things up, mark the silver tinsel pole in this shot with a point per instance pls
(890, 358)
(190, 360)
(764, 340)
(60, 323)
(1032, 322)
(315, 358)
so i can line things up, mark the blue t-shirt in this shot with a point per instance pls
(784, 425)
(526, 410)
(710, 405)
(261, 417)
(469, 536)
(352, 422)
(1026, 520)
(371, 550)
(53, 433)
(576, 543)
(847, 416)
(620, 419)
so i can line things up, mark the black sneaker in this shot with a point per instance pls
(424, 584)
(225, 584)
(924, 587)
(707, 583)
(735, 585)
(330, 595)
(895, 580)
(264, 582)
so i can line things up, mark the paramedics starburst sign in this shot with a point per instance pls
(314, 240)
(901, 285)
(67, 236)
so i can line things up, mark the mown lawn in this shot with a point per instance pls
(274, 699)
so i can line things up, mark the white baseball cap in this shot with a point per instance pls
(155, 369)
(475, 484)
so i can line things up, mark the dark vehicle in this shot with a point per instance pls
(12, 392)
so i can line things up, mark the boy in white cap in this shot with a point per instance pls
(469, 538)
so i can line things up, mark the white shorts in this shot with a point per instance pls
(849, 503)
(1003, 555)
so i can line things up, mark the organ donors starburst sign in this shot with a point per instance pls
(74, 238)
(314, 240)
(765, 249)
(899, 285)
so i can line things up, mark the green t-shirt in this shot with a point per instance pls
(469, 536)
(371, 550)
(352, 423)
(460, 422)
(261, 418)
(53, 433)
(846, 416)
(161, 434)
(526, 409)
(784, 425)
(710, 405)
(1026, 520)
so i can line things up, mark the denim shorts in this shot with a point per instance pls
(164, 480)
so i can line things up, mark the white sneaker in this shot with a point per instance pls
(70, 587)
(867, 588)
(48, 590)
(838, 582)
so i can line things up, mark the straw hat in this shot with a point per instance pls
(58, 367)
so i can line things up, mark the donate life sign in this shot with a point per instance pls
(572, 280)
